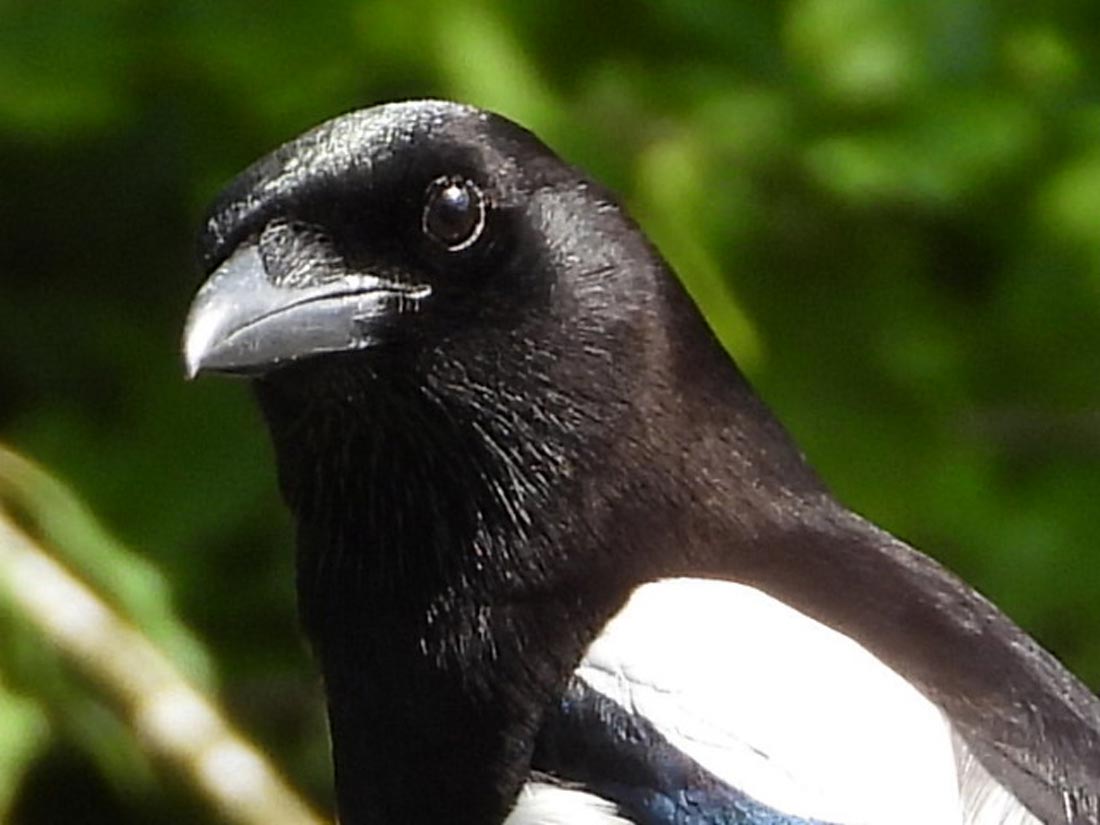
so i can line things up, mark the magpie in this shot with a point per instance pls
(556, 560)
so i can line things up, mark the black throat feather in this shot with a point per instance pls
(454, 563)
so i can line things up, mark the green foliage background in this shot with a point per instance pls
(890, 212)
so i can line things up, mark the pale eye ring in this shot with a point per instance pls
(454, 212)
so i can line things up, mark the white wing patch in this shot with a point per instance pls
(784, 708)
(540, 803)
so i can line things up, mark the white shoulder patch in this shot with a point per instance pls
(540, 803)
(786, 709)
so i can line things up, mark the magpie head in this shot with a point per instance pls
(429, 229)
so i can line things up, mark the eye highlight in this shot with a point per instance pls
(454, 212)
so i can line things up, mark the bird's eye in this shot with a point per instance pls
(454, 212)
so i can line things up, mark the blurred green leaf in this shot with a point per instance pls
(24, 733)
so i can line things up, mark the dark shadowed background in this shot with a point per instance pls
(890, 212)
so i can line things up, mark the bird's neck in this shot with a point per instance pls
(449, 579)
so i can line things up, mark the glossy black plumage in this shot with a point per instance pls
(503, 440)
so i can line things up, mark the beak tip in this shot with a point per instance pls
(196, 344)
(190, 370)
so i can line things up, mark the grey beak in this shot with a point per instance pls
(241, 322)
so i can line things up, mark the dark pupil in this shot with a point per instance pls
(452, 214)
